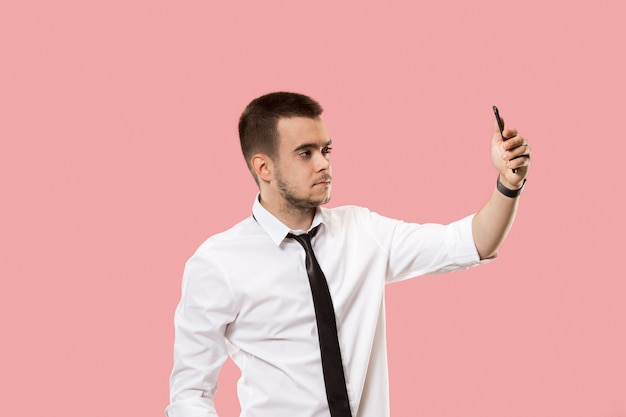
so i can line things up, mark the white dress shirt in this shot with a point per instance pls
(246, 294)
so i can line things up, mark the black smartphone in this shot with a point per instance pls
(501, 126)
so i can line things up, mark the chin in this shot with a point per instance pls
(325, 200)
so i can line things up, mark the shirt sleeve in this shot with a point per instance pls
(201, 318)
(419, 249)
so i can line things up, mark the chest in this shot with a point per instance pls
(273, 291)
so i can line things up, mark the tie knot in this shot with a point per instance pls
(305, 238)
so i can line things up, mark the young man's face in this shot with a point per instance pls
(302, 170)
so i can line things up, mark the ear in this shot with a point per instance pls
(262, 166)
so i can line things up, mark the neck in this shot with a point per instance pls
(296, 218)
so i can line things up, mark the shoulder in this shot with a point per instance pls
(345, 214)
(348, 217)
(218, 255)
(244, 231)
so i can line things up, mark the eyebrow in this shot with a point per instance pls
(311, 145)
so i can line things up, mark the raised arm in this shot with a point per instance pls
(493, 221)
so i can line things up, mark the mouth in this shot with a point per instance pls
(323, 182)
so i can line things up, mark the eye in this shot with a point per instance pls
(305, 154)
(327, 150)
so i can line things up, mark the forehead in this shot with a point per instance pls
(295, 131)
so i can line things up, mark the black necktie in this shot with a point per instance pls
(332, 366)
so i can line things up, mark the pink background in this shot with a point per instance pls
(119, 156)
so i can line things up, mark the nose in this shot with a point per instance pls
(322, 162)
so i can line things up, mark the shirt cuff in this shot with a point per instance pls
(462, 244)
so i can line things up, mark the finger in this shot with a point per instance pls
(519, 162)
(509, 134)
(513, 142)
(496, 127)
(516, 152)
(518, 157)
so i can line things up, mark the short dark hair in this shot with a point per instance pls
(258, 123)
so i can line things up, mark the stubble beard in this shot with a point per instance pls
(293, 201)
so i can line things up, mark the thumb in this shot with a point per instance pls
(497, 137)
(496, 127)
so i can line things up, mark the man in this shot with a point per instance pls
(254, 292)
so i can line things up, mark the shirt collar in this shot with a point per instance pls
(276, 229)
